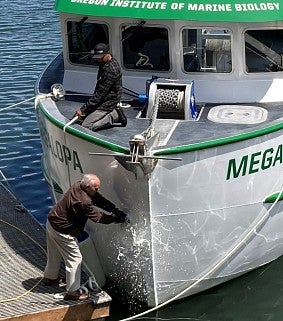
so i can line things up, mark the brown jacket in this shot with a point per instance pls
(71, 212)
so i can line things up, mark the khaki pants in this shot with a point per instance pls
(63, 246)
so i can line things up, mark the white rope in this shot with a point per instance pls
(215, 266)
(65, 141)
(2, 174)
(40, 96)
(8, 184)
(17, 104)
(155, 110)
(70, 123)
(47, 175)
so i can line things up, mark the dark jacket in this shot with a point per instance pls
(108, 89)
(71, 212)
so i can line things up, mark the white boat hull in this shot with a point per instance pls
(194, 223)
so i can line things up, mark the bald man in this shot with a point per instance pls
(65, 223)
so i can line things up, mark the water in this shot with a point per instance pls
(29, 38)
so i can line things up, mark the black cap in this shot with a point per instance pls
(100, 50)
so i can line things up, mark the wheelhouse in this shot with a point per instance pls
(208, 53)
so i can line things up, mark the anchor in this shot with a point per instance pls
(139, 161)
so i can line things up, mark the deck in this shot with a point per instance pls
(23, 296)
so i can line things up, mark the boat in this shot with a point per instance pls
(198, 167)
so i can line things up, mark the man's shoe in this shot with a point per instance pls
(76, 296)
(122, 121)
(50, 282)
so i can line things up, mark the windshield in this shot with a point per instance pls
(145, 48)
(82, 38)
(263, 50)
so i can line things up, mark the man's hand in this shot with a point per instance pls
(79, 113)
(121, 217)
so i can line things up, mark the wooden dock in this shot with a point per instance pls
(23, 296)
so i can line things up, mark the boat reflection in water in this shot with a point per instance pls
(198, 168)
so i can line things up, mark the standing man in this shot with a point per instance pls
(66, 222)
(101, 110)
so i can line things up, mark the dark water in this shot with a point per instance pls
(29, 38)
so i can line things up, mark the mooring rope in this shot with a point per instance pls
(7, 182)
(17, 104)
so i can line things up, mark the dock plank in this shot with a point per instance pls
(78, 312)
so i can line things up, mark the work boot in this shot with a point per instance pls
(50, 282)
(76, 296)
(122, 117)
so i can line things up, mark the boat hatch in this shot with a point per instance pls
(237, 114)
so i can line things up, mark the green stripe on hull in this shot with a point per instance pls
(220, 141)
(168, 151)
(272, 198)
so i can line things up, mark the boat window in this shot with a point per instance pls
(145, 48)
(82, 37)
(264, 50)
(207, 50)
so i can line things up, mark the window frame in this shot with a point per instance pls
(124, 66)
(222, 28)
(245, 66)
(92, 62)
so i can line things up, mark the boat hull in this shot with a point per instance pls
(194, 223)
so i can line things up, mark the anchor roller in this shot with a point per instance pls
(137, 147)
